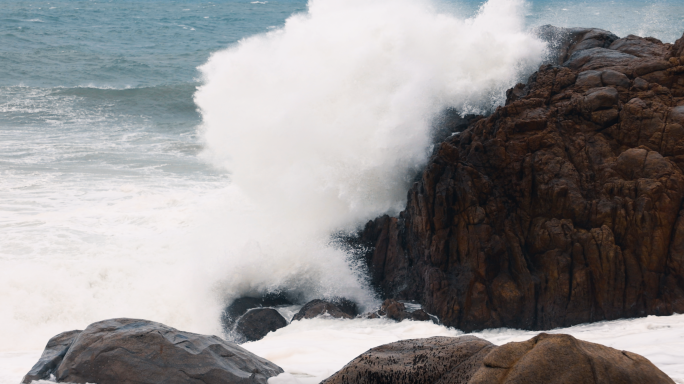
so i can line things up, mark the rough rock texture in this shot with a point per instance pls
(562, 359)
(397, 311)
(564, 206)
(444, 360)
(257, 323)
(544, 359)
(121, 351)
(566, 41)
(339, 308)
(52, 356)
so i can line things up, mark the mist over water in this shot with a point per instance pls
(160, 158)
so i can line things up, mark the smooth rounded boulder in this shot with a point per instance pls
(433, 360)
(120, 351)
(257, 323)
(563, 359)
(232, 313)
(544, 359)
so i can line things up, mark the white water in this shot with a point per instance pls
(312, 350)
(324, 122)
(321, 125)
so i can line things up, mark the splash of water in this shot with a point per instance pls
(323, 123)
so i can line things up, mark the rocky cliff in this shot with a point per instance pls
(564, 206)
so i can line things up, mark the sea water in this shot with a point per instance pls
(159, 158)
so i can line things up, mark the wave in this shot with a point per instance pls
(91, 104)
(323, 123)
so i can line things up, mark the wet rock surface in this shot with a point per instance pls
(141, 351)
(232, 313)
(52, 357)
(397, 311)
(544, 359)
(562, 207)
(431, 360)
(339, 308)
(257, 323)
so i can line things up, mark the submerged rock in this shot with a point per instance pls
(339, 308)
(139, 351)
(544, 359)
(564, 206)
(257, 323)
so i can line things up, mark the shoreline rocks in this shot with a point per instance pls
(257, 323)
(564, 206)
(232, 313)
(140, 351)
(240, 325)
(340, 308)
(397, 311)
(544, 359)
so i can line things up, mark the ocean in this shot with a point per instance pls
(160, 158)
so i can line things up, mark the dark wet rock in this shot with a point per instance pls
(339, 308)
(139, 351)
(544, 359)
(451, 122)
(640, 46)
(396, 310)
(678, 48)
(52, 357)
(241, 305)
(610, 77)
(596, 58)
(564, 206)
(257, 323)
(589, 79)
(564, 42)
(562, 359)
(433, 360)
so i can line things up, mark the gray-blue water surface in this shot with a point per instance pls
(106, 86)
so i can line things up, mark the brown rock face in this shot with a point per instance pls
(562, 207)
(340, 308)
(544, 359)
(397, 311)
(562, 359)
(432, 360)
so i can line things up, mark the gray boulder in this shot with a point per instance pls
(52, 356)
(232, 313)
(120, 351)
(257, 323)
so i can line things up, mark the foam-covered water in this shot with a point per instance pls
(135, 184)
